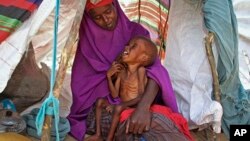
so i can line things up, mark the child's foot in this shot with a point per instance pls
(110, 108)
(94, 138)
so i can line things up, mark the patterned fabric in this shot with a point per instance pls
(13, 14)
(178, 120)
(153, 15)
(97, 3)
(105, 123)
(162, 129)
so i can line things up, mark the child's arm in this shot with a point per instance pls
(114, 88)
(142, 77)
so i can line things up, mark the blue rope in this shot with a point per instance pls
(51, 105)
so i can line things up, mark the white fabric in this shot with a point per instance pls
(11, 51)
(188, 66)
(242, 11)
(39, 30)
(13, 48)
(41, 15)
(43, 41)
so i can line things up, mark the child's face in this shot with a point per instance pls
(133, 51)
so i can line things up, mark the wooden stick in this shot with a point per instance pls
(46, 129)
(68, 50)
(63, 65)
(139, 11)
(216, 86)
(210, 55)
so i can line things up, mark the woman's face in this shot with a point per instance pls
(105, 16)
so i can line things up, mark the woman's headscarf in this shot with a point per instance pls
(96, 51)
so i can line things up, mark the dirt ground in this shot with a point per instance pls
(208, 135)
(204, 135)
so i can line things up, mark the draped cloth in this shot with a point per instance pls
(160, 129)
(97, 49)
(220, 19)
(13, 14)
(165, 125)
(188, 65)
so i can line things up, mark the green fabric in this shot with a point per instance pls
(220, 19)
(9, 22)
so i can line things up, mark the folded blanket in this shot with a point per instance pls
(30, 119)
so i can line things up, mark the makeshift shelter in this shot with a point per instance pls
(185, 53)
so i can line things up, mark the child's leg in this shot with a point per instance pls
(100, 104)
(115, 120)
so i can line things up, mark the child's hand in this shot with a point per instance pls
(115, 68)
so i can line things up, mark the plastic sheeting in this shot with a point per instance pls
(13, 48)
(188, 66)
(42, 43)
(241, 8)
(186, 58)
(38, 29)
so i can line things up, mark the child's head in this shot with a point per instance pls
(140, 50)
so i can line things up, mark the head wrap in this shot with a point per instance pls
(96, 3)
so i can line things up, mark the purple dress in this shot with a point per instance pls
(96, 51)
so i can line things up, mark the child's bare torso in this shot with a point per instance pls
(130, 86)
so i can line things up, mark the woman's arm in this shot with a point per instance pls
(140, 120)
(142, 76)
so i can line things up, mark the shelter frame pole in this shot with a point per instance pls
(46, 128)
(216, 86)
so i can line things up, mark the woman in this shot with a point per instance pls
(104, 32)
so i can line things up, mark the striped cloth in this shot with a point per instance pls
(165, 126)
(106, 120)
(13, 14)
(162, 129)
(152, 14)
(162, 125)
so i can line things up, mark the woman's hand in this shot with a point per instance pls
(140, 120)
